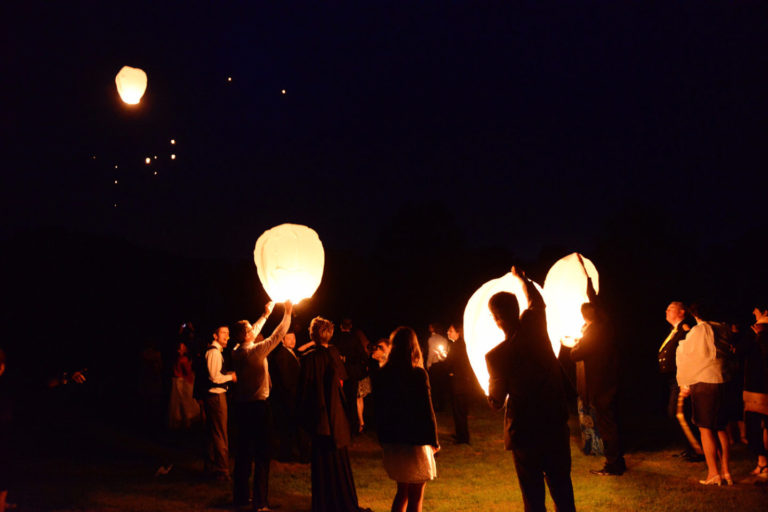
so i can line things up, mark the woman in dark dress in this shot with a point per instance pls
(321, 407)
(406, 421)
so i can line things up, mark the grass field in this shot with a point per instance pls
(117, 474)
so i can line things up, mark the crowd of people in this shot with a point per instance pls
(242, 382)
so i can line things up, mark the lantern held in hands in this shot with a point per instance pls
(131, 84)
(481, 333)
(289, 260)
(565, 290)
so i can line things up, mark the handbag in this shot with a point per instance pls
(756, 402)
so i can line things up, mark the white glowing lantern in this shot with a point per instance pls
(565, 290)
(131, 84)
(480, 330)
(290, 260)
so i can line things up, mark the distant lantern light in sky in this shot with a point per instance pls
(115, 182)
(565, 290)
(480, 330)
(289, 259)
(229, 79)
(155, 173)
(115, 166)
(173, 141)
(147, 160)
(131, 84)
(283, 91)
(173, 157)
(155, 157)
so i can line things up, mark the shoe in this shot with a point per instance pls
(694, 457)
(727, 480)
(609, 470)
(760, 471)
(715, 480)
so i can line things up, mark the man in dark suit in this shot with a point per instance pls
(525, 374)
(285, 369)
(597, 349)
(677, 317)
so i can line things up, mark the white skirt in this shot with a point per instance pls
(407, 463)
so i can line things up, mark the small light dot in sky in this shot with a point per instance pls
(283, 91)
(155, 157)
(147, 160)
(173, 141)
(115, 205)
(173, 157)
(155, 173)
(94, 157)
(115, 166)
(229, 79)
(115, 182)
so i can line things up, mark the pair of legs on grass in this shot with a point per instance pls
(409, 497)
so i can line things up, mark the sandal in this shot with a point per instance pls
(761, 471)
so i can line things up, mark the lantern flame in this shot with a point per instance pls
(289, 259)
(131, 84)
(481, 333)
(565, 290)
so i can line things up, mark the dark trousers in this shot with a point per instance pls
(608, 428)
(251, 452)
(544, 456)
(754, 424)
(460, 406)
(216, 438)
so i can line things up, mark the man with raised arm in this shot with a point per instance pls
(525, 375)
(250, 408)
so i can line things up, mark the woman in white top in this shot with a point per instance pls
(700, 375)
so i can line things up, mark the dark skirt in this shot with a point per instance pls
(709, 403)
(333, 488)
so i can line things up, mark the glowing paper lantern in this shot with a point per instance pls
(481, 333)
(131, 84)
(565, 290)
(290, 260)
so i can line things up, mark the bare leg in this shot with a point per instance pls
(360, 413)
(415, 496)
(401, 498)
(709, 446)
(726, 452)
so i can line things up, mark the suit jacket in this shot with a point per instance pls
(668, 351)
(525, 375)
(598, 351)
(285, 370)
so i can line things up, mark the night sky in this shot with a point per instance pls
(525, 125)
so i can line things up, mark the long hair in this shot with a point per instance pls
(406, 352)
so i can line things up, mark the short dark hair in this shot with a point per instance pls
(504, 304)
(238, 330)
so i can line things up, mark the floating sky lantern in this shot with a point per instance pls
(290, 260)
(565, 290)
(147, 160)
(131, 84)
(480, 330)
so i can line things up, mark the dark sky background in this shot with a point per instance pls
(529, 125)
(430, 145)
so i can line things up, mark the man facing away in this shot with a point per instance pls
(525, 373)
(215, 405)
(251, 410)
(597, 349)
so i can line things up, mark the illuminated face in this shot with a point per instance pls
(222, 336)
(453, 334)
(289, 340)
(675, 315)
